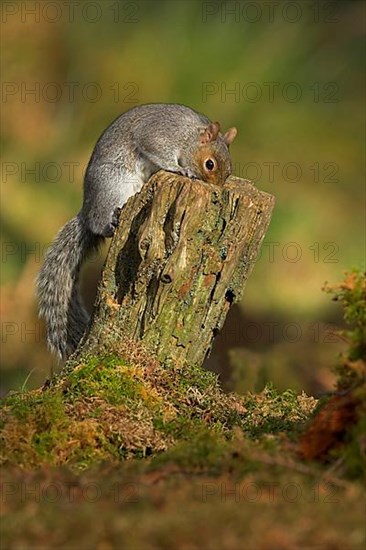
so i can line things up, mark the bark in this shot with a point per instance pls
(179, 259)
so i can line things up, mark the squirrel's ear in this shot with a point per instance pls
(230, 135)
(210, 133)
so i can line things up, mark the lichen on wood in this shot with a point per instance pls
(180, 258)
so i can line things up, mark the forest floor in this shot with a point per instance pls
(122, 452)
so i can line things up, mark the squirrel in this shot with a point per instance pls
(138, 143)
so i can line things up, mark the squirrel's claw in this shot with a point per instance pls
(188, 173)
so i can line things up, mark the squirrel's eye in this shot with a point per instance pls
(209, 164)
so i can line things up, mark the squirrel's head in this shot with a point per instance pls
(213, 161)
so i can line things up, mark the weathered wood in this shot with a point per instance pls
(178, 261)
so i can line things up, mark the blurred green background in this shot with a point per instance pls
(288, 75)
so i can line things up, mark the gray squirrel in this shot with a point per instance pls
(137, 144)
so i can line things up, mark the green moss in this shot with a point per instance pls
(196, 376)
(206, 449)
(108, 378)
(109, 409)
(183, 428)
(24, 403)
(126, 405)
(271, 412)
(34, 427)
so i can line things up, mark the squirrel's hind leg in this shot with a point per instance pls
(110, 229)
(113, 186)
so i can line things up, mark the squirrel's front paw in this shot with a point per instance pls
(188, 173)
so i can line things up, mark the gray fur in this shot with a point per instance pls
(58, 290)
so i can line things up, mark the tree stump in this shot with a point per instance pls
(180, 258)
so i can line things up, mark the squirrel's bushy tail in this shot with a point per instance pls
(60, 303)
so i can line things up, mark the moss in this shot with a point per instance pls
(273, 412)
(127, 405)
(183, 428)
(34, 427)
(108, 378)
(197, 377)
(205, 450)
(112, 408)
